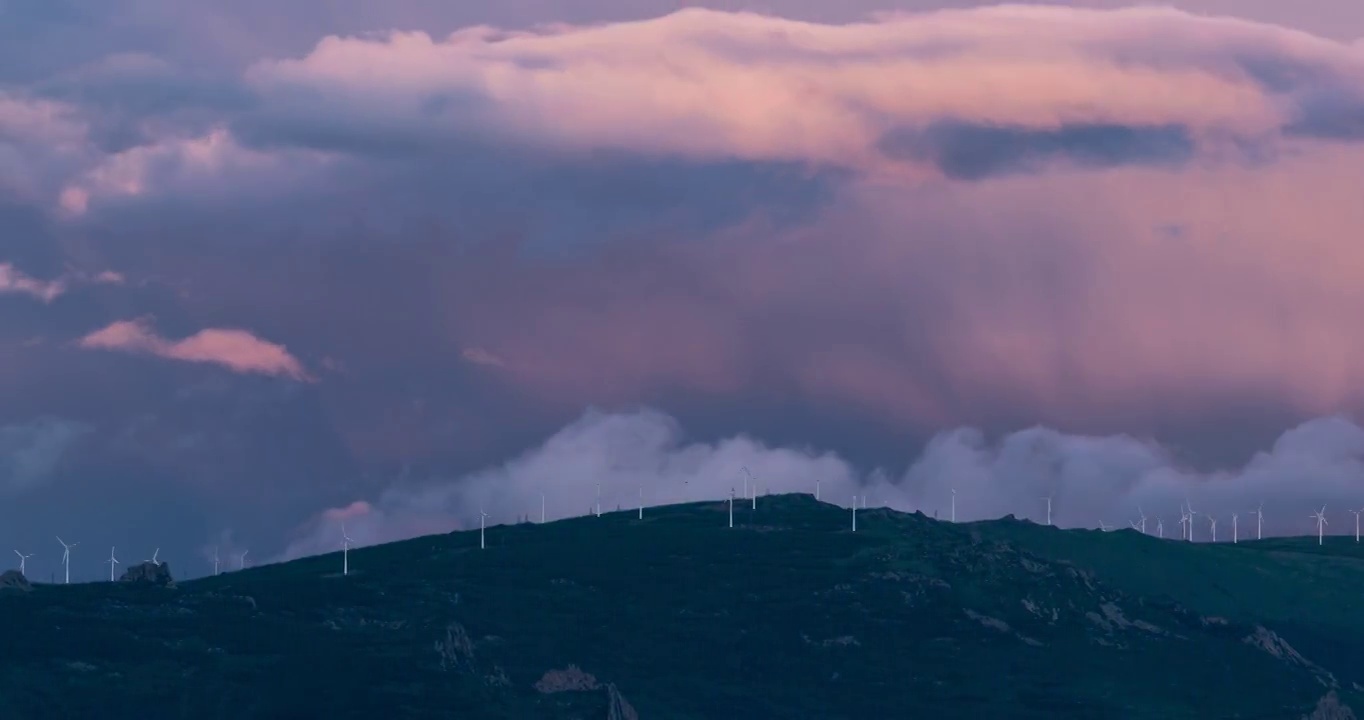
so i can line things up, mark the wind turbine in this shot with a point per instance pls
(598, 500)
(215, 560)
(1213, 522)
(854, 513)
(1160, 528)
(66, 558)
(747, 475)
(483, 521)
(1320, 517)
(1191, 514)
(1142, 513)
(954, 504)
(542, 508)
(153, 559)
(1183, 524)
(345, 550)
(1357, 512)
(641, 502)
(1259, 521)
(1048, 499)
(816, 488)
(1103, 526)
(112, 562)
(731, 507)
(22, 558)
(1235, 531)
(241, 560)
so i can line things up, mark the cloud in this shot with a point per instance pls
(479, 356)
(14, 282)
(1033, 84)
(1091, 479)
(31, 452)
(1025, 80)
(236, 350)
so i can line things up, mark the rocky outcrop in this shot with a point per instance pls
(570, 679)
(14, 581)
(1330, 708)
(149, 573)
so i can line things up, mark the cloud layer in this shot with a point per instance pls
(1092, 481)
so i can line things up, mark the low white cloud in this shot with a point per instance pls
(1091, 480)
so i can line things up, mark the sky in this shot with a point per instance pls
(268, 267)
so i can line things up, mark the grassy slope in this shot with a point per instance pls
(787, 615)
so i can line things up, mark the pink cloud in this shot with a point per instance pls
(716, 85)
(14, 282)
(236, 350)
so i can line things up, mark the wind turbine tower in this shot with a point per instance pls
(854, 513)
(112, 562)
(66, 558)
(731, 507)
(954, 504)
(1320, 517)
(1235, 530)
(1213, 522)
(641, 502)
(22, 558)
(483, 521)
(1357, 512)
(345, 551)
(598, 500)
(241, 560)
(1192, 513)
(215, 560)
(542, 508)
(1259, 521)
(816, 488)
(1048, 499)
(1160, 528)
(1142, 514)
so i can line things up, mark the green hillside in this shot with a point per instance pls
(787, 615)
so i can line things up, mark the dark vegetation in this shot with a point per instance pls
(788, 615)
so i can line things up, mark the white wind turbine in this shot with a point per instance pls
(1160, 528)
(1103, 526)
(66, 558)
(483, 521)
(1048, 499)
(542, 508)
(816, 488)
(641, 502)
(1235, 529)
(215, 560)
(1192, 513)
(241, 560)
(1357, 512)
(153, 559)
(22, 558)
(598, 500)
(954, 504)
(112, 562)
(1183, 524)
(1320, 517)
(1213, 522)
(854, 509)
(345, 550)
(1259, 521)
(731, 507)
